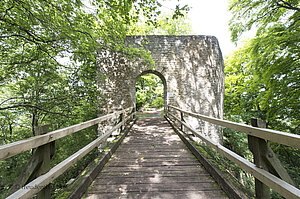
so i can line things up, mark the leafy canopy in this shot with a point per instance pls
(263, 77)
(48, 60)
(166, 25)
(48, 51)
(261, 14)
(265, 72)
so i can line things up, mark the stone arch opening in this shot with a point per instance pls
(191, 68)
(162, 78)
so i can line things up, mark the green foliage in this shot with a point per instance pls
(262, 77)
(149, 92)
(166, 25)
(48, 70)
(261, 15)
(149, 88)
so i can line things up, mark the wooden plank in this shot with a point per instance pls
(287, 139)
(141, 159)
(164, 195)
(154, 148)
(30, 171)
(191, 175)
(266, 159)
(270, 180)
(138, 158)
(153, 143)
(165, 172)
(83, 182)
(157, 152)
(187, 168)
(202, 186)
(153, 164)
(143, 162)
(134, 170)
(229, 187)
(129, 180)
(56, 171)
(15, 148)
(150, 142)
(275, 166)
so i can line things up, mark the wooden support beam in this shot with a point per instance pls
(38, 164)
(182, 119)
(256, 146)
(266, 159)
(275, 167)
(121, 119)
(26, 174)
(43, 153)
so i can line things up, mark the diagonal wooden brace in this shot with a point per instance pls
(266, 159)
(38, 164)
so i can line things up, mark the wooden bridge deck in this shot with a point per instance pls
(152, 162)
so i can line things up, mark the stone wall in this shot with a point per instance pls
(191, 68)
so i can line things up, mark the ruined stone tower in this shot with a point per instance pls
(191, 68)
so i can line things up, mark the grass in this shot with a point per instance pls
(143, 114)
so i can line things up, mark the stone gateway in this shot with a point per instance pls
(190, 67)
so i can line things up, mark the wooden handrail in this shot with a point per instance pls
(15, 148)
(282, 187)
(287, 139)
(56, 171)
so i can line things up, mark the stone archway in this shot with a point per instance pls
(192, 68)
(163, 79)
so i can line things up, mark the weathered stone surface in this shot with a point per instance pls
(191, 68)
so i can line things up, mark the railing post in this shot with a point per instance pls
(43, 153)
(38, 164)
(132, 111)
(121, 120)
(257, 147)
(182, 120)
(168, 109)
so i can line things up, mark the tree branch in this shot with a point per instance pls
(30, 106)
(8, 9)
(16, 35)
(35, 58)
(42, 99)
(30, 98)
(34, 37)
(287, 6)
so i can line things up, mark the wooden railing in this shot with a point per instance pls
(266, 178)
(40, 141)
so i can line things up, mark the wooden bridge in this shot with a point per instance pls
(152, 158)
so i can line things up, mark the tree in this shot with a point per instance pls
(262, 77)
(272, 58)
(49, 50)
(262, 15)
(166, 24)
(48, 56)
